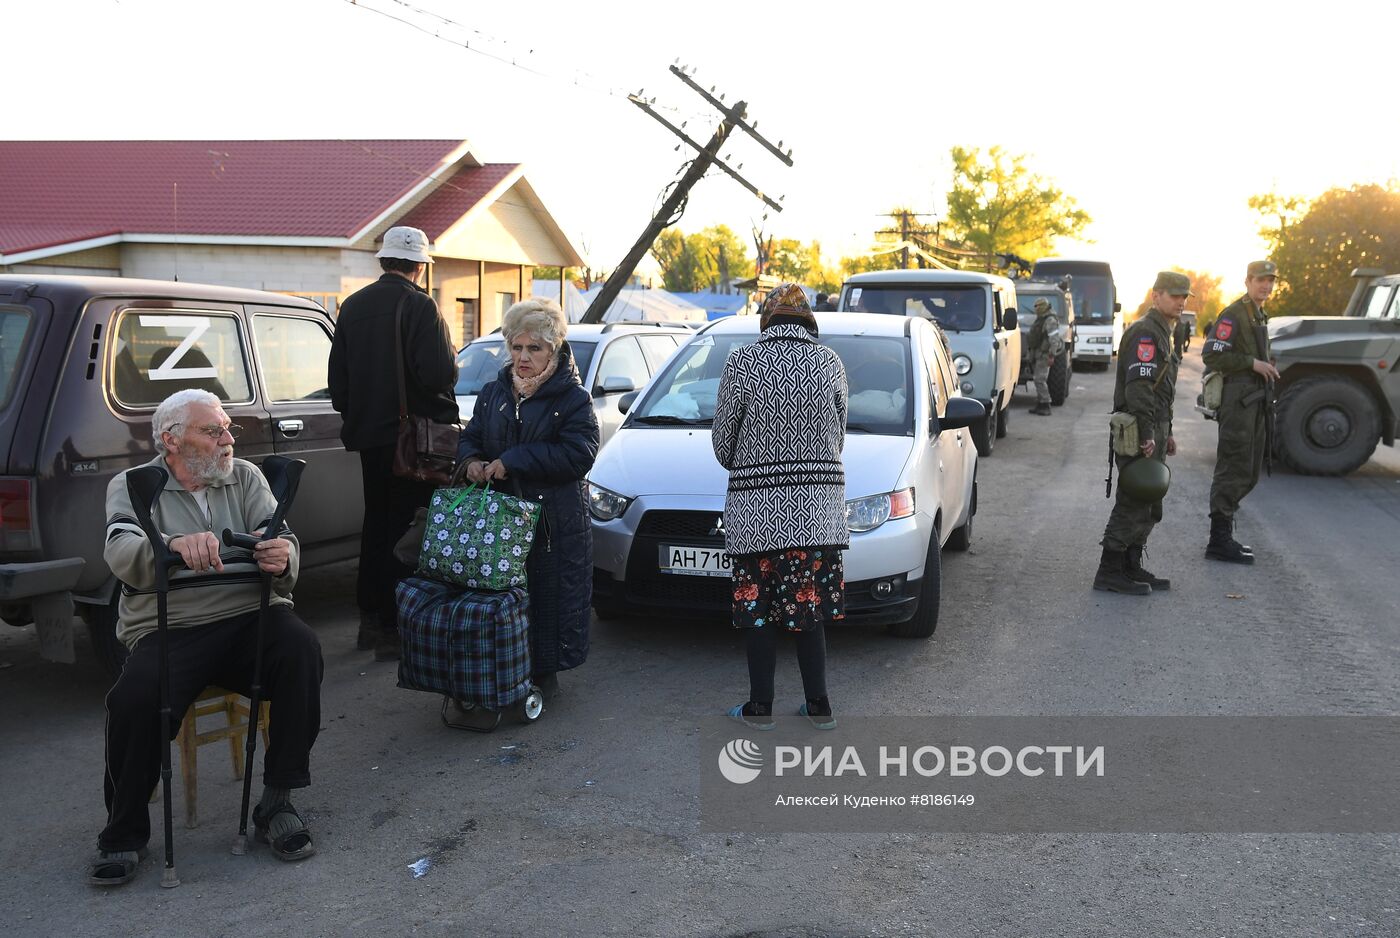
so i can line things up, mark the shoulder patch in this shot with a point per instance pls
(1223, 329)
(1146, 349)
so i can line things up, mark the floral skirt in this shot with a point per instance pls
(796, 589)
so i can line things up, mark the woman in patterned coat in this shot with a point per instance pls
(779, 427)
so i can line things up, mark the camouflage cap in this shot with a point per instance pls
(1262, 269)
(1041, 305)
(1174, 283)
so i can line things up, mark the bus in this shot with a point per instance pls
(1098, 316)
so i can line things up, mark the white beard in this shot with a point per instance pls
(208, 469)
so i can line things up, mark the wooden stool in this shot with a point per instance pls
(213, 701)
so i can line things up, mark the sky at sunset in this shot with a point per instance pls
(1160, 121)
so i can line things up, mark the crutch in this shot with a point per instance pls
(282, 476)
(144, 485)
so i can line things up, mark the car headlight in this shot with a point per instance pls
(962, 364)
(867, 514)
(606, 505)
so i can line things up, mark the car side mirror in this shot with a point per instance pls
(1009, 320)
(962, 412)
(625, 402)
(615, 384)
(1118, 307)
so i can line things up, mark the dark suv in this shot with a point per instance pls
(83, 363)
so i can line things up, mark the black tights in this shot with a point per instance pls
(763, 662)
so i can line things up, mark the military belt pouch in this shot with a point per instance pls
(1123, 434)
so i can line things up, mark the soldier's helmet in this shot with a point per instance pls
(1145, 480)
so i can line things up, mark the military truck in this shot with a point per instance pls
(1339, 385)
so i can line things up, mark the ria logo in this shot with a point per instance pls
(740, 761)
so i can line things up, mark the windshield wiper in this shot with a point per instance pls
(671, 420)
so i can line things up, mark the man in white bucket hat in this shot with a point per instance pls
(364, 389)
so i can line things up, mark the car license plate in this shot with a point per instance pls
(694, 561)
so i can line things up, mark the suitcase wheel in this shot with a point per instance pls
(532, 706)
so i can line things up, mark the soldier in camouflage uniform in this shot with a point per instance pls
(1144, 387)
(1238, 348)
(1041, 342)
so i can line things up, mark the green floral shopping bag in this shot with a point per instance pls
(477, 538)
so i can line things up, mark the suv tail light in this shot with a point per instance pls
(16, 514)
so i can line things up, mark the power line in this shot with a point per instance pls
(598, 87)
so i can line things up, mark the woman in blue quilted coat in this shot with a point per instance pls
(533, 432)
(779, 428)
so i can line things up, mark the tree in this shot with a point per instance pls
(1340, 230)
(693, 263)
(997, 204)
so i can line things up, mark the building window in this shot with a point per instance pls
(468, 318)
(504, 301)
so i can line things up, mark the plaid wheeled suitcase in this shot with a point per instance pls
(472, 647)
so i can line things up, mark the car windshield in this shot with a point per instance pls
(481, 361)
(1091, 285)
(878, 380)
(14, 326)
(956, 307)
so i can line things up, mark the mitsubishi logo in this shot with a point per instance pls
(718, 529)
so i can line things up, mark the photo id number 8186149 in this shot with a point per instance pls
(693, 561)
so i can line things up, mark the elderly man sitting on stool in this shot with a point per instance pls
(212, 631)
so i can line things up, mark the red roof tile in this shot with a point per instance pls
(56, 192)
(455, 197)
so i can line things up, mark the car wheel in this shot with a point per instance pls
(102, 629)
(1059, 380)
(987, 434)
(1326, 426)
(925, 618)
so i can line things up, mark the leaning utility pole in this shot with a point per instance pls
(670, 211)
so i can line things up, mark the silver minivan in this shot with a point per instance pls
(977, 312)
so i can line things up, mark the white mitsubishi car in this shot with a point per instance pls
(656, 492)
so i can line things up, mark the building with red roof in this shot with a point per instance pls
(293, 216)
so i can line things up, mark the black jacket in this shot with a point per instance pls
(547, 446)
(362, 375)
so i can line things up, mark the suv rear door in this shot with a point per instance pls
(24, 321)
(292, 351)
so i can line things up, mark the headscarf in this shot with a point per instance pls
(786, 304)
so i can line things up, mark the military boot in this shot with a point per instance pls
(1222, 546)
(1112, 576)
(1135, 571)
(1041, 409)
(1244, 547)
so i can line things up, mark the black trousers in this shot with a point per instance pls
(217, 653)
(390, 503)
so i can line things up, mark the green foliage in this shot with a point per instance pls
(691, 263)
(998, 204)
(801, 263)
(1340, 230)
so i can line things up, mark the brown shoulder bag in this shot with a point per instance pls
(425, 450)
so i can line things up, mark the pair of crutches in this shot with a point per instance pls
(144, 485)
